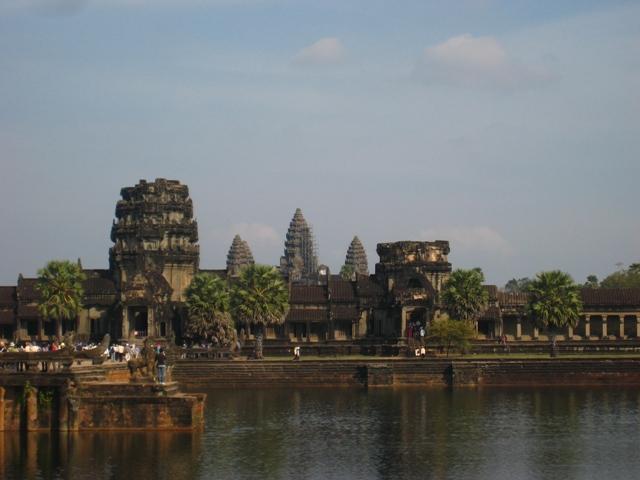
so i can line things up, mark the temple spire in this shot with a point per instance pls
(300, 259)
(239, 256)
(356, 258)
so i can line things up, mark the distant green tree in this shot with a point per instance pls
(592, 282)
(464, 295)
(554, 302)
(451, 334)
(61, 292)
(625, 278)
(517, 285)
(347, 272)
(260, 297)
(207, 303)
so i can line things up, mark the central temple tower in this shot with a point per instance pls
(155, 254)
(300, 260)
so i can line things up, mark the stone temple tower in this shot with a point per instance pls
(300, 260)
(356, 257)
(239, 256)
(155, 254)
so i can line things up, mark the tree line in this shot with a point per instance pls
(622, 278)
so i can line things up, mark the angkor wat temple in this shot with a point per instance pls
(155, 254)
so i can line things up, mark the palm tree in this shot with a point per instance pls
(207, 302)
(260, 297)
(554, 302)
(463, 295)
(61, 292)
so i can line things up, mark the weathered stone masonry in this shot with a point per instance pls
(155, 255)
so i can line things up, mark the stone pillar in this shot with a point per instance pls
(637, 325)
(31, 409)
(569, 332)
(621, 318)
(604, 326)
(125, 322)
(308, 331)
(58, 328)
(152, 330)
(403, 322)
(63, 407)
(518, 328)
(536, 333)
(587, 327)
(40, 334)
(73, 420)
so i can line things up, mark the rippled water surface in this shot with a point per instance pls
(352, 433)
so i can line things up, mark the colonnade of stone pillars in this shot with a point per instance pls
(589, 323)
(604, 317)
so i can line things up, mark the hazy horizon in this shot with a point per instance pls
(511, 129)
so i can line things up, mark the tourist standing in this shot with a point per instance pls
(161, 362)
(296, 353)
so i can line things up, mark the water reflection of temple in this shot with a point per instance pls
(155, 254)
(102, 454)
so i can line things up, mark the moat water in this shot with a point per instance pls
(561, 433)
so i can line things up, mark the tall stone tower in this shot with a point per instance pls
(300, 260)
(155, 254)
(239, 256)
(356, 258)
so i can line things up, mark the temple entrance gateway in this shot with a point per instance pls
(139, 320)
(416, 319)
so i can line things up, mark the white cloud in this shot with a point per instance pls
(258, 234)
(481, 62)
(326, 51)
(475, 239)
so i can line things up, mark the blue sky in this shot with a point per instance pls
(509, 128)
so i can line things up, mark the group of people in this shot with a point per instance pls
(421, 352)
(123, 353)
(415, 330)
(502, 340)
(31, 347)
